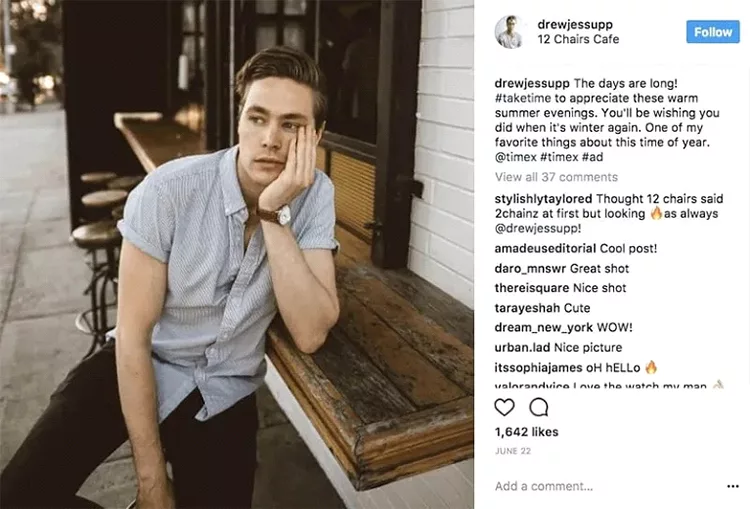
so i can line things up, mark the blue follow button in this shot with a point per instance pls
(713, 32)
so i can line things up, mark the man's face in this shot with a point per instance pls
(273, 111)
(511, 25)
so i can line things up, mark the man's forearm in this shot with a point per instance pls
(137, 387)
(308, 309)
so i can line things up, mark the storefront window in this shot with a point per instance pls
(266, 6)
(265, 37)
(295, 7)
(194, 49)
(349, 49)
(294, 35)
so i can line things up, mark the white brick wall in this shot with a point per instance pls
(442, 237)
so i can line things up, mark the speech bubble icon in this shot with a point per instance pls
(539, 407)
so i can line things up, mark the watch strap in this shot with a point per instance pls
(268, 215)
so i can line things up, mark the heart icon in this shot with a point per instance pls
(504, 406)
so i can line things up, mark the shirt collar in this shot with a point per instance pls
(230, 185)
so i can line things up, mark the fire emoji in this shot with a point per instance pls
(656, 214)
(651, 368)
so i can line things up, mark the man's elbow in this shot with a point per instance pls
(310, 343)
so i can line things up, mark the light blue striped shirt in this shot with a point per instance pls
(190, 214)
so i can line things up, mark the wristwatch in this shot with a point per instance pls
(281, 216)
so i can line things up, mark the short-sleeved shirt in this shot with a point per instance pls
(510, 41)
(190, 214)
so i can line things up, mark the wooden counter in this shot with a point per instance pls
(391, 391)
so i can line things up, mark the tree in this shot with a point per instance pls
(36, 30)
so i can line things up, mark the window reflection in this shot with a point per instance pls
(349, 47)
(295, 7)
(265, 37)
(188, 17)
(266, 6)
(294, 36)
(194, 48)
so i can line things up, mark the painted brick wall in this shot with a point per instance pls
(442, 238)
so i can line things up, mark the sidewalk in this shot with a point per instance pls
(42, 277)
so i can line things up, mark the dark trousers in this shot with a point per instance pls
(213, 462)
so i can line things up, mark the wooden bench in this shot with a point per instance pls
(391, 391)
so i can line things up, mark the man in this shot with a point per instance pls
(213, 246)
(510, 38)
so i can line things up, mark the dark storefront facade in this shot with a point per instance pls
(179, 58)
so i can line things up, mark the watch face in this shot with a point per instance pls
(285, 215)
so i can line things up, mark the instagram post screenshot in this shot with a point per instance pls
(237, 254)
(612, 249)
(239, 238)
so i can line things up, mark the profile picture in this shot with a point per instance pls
(506, 34)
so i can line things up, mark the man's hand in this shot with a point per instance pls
(159, 495)
(298, 174)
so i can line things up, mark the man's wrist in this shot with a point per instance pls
(269, 204)
(153, 478)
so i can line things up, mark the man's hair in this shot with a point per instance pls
(285, 62)
(510, 18)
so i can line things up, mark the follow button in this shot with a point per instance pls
(713, 32)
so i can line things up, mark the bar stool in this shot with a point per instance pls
(125, 183)
(98, 179)
(118, 212)
(102, 202)
(98, 205)
(101, 235)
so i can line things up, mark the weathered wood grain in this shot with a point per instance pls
(368, 391)
(324, 396)
(406, 368)
(337, 443)
(157, 142)
(419, 442)
(432, 303)
(454, 358)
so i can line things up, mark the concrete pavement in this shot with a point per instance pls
(42, 277)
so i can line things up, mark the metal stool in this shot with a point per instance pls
(126, 183)
(98, 179)
(104, 200)
(98, 205)
(118, 212)
(92, 182)
(92, 237)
